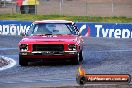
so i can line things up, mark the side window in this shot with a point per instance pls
(72, 29)
(30, 31)
(75, 28)
(35, 29)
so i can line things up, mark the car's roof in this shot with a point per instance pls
(53, 21)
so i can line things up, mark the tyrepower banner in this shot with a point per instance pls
(111, 30)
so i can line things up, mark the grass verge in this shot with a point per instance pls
(29, 17)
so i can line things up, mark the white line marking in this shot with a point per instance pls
(7, 48)
(11, 63)
(112, 51)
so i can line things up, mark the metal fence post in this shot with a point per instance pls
(86, 8)
(61, 2)
(60, 6)
(112, 7)
(12, 7)
(4, 3)
(35, 7)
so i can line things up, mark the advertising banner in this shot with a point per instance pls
(111, 30)
(14, 27)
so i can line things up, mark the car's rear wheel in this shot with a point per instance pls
(78, 58)
(22, 61)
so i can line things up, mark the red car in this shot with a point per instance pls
(51, 40)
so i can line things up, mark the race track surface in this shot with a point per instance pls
(102, 56)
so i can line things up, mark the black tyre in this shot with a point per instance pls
(81, 56)
(81, 80)
(78, 58)
(22, 61)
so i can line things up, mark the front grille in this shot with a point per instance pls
(48, 47)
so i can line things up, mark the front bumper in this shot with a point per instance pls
(48, 53)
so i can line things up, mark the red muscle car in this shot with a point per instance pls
(51, 40)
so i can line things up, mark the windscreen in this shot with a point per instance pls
(51, 28)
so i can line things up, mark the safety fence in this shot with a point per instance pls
(68, 7)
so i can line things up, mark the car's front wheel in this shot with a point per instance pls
(78, 58)
(22, 61)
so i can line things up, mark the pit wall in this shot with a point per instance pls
(111, 30)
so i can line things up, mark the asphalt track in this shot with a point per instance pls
(102, 56)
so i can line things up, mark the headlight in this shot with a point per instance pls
(72, 47)
(23, 47)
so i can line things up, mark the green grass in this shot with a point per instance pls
(29, 17)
